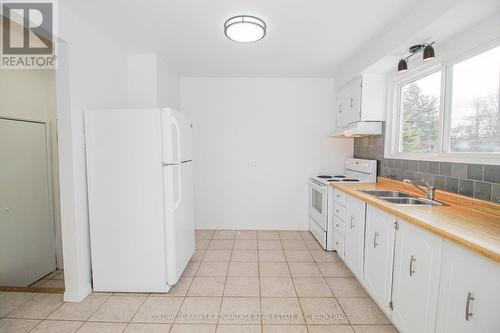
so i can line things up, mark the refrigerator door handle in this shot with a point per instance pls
(175, 123)
(177, 202)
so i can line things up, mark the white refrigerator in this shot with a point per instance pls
(140, 197)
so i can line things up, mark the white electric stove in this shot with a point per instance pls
(321, 202)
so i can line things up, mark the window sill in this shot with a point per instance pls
(488, 159)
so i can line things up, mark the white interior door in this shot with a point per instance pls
(179, 217)
(27, 251)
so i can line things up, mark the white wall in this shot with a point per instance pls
(142, 74)
(168, 86)
(256, 142)
(422, 16)
(92, 73)
(26, 94)
(151, 82)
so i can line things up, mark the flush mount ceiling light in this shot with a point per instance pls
(426, 49)
(245, 28)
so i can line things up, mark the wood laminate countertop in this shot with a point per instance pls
(474, 229)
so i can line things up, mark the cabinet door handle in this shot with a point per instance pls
(337, 225)
(468, 313)
(340, 108)
(375, 244)
(352, 225)
(412, 261)
(352, 102)
(337, 210)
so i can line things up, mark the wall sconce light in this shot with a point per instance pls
(426, 49)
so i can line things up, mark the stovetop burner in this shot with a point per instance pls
(333, 180)
(339, 176)
(324, 176)
(350, 180)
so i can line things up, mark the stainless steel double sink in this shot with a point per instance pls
(401, 198)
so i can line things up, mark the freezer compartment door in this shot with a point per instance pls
(179, 218)
(177, 137)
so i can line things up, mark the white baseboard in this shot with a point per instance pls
(77, 295)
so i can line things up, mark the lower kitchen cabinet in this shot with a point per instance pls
(417, 266)
(423, 283)
(379, 250)
(469, 296)
(354, 235)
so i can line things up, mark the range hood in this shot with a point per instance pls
(358, 129)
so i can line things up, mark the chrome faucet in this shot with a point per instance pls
(429, 191)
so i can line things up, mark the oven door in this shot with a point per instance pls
(318, 203)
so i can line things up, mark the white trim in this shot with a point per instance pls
(78, 295)
(445, 64)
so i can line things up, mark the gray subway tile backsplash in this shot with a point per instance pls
(473, 180)
(482, 190)
(492, 173)
(434, 168)
(414, 165)
(423, 166)
(466, 187)
(475, 171)
(440, 182)
(459, 170)
(495, 193)
(451, 184)
(445, 168)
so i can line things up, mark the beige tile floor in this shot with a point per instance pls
(52, 280)
(251, 282)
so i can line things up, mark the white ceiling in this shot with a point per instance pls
(304, 37)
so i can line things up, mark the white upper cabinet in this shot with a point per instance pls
(417, 263)
(361, 99)
(469, 295)
(354, 235)
(379, 250)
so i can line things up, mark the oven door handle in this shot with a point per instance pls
(319, 186)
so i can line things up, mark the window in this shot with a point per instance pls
(448, 110)
(419, 110)
(475, 120)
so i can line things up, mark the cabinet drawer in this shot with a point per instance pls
(339, 211)
(338, 244)
(319, 234)
(340, 197)
(339, 226)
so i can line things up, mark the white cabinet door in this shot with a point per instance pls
(355, 235)
(417, 264)
(469, 294)
(342, 109)
(379, 250)
(353, 101)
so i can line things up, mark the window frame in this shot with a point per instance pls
(393, 125)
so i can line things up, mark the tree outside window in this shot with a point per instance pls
(475, 118)
(419, 115)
